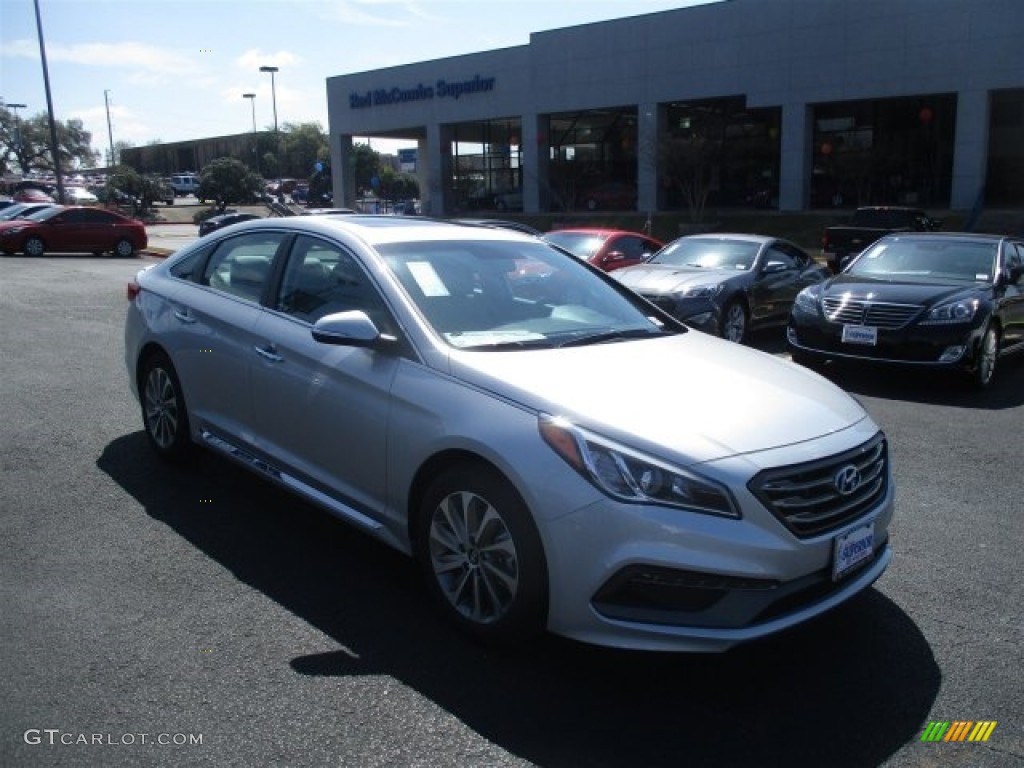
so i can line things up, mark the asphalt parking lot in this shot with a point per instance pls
(198, 616)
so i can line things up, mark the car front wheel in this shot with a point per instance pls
(482, 556)
(985, 364)
(163, 408)
(734, 322)
(34, 246)
(124, 248)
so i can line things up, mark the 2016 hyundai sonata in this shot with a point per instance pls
(434, 385)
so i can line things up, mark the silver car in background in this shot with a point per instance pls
(553, 450)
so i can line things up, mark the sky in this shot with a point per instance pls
(173, 70)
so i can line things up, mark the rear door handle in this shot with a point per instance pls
(268, 352)
(184, 316)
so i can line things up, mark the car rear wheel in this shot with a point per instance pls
(124, 248)
(163, 409)
(985, 364)
(482, 556)
(734, 321)
(34, 246)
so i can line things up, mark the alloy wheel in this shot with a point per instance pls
(473, 557)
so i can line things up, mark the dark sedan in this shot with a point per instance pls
(725, 284)
(224, 220)
(939, 300)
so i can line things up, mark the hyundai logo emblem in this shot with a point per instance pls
(847, 480)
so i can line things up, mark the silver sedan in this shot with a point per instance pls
(555, 452)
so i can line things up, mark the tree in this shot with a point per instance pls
(143, 190)
(25, 144)
(689, 158)
(227, 180)
(365, 163)
(302, 146)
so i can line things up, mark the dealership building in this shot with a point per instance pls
(788, 104)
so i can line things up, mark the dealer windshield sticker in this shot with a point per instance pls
(427, 279)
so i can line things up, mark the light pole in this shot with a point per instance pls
(110, 131)
(277, 138)
(255, 142)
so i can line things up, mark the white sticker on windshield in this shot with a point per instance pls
(427, 279)
(981, 276)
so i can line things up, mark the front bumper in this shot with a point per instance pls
(939, 346)
(655, 578)
(702, 314)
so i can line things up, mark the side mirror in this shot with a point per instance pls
(347, 329)
(613, 256)
(774, 266)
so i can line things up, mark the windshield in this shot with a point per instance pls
(708, 253)
(13, 211)
(582, 245)
(940, 260)
(44, 213)
(509, 295)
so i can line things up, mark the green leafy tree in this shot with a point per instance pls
(25, 144)
(125, 182)
(365, 163)
(227, 180)
(302, 146)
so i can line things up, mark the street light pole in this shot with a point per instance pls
(110, 131)
(277, 137)
(255, 141)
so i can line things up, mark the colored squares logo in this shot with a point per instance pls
(958, 730)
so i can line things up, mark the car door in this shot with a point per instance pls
(322, 410)
(783, 271)
(213, 344)
(1012, 299)
(69, 232)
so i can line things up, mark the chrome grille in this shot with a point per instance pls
(806, 497)
(840, 309)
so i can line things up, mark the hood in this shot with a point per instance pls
(12, 223)
(659, 279)
(688, 398)
(922, 293)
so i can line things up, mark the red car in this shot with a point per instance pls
(608, 249)
(72, 229)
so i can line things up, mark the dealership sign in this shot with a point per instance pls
(442, 89)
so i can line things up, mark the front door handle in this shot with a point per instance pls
(268, 352)
(184, 316)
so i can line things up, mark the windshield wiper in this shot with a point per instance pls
(507, 345)
(605, 336)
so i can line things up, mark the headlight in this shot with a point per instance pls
(807, 301)
(12, 231)
(955, 312)
(631, 476)
(702, 291)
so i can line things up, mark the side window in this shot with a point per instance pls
(188, 268)
(777, 254)
(241, 265)
(96, 216)
(322, 278)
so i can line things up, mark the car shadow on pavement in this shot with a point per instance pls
(848, 689)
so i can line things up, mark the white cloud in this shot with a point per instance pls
(254, 58)
(137, 58)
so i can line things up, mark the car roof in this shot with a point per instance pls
(977, 237)
(596, 231)
(741, 236)
(379, 229)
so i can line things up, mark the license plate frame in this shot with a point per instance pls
(866, 335)
(851, 549)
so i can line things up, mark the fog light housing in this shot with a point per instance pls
(952, 354)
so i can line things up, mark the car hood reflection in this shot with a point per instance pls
(699, 411)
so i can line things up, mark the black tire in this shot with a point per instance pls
(34, 247)
(164, 414)
(986, 357)
(124, 249)
(481, 555)
(735, 321)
